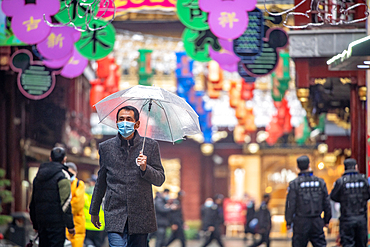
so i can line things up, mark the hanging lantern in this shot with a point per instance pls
(234, 94)
(103, 70)
(97, 92)
(249, 124)
(240, 111)
(247, 90)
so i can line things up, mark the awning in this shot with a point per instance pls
(356, 57)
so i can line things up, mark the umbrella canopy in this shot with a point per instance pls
(170, 117)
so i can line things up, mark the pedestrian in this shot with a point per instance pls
(162, 211)
(306, 200)
(250, 215)
(94, 237)
(50, 208)
(264, 223)
(352, 191)
(77, 204)
(211, 220)
(125, 177)
(177, 221)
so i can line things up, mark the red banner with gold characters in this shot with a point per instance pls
(123, 6)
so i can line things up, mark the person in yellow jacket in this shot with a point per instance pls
(94, 237)
(77, 204)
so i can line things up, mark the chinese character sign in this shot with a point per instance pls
(123, 6)
(28, 22)
(59, 43)
(227, 19)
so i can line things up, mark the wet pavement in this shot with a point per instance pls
(236, 242)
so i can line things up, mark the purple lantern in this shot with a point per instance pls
(28, 23)
(226, 57)
(59, 43)
(75, 66)
(227, 19)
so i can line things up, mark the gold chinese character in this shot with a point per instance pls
(73, 62)
(227, 18)
(54, 40)
(32, 23)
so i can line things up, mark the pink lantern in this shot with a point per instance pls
(28, 23)
(226, 57)
(59, 43)
(227, 19)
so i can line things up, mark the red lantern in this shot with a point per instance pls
(103, 70)
(97, 92)
(247, 90)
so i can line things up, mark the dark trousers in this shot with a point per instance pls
(216, 234)
(52, 236)
(177, 234)
(308, 229)
(160, 236)
(94, 238)
(353, 231)
(265, 238)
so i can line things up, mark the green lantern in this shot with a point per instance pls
(78, 12)
(145, 68)
(197, 44)
(191, 15)
(95, 44)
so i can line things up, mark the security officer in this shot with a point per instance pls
(352, 192)
(307, 198)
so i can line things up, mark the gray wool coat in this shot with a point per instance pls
(127, 189)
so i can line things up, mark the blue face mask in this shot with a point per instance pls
(208, 204)
(126, 128)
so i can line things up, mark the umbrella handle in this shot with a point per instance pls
(147, 121)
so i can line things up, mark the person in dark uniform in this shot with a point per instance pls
(307, 198)
(251, 214)
(352, 192)
(177, 221)
(162, 211)
(211, 220)
(264, 223)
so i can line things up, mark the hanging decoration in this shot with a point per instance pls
(280, 77)
(266, 61)
(249, 44)
(184, 74)
(198, 43)
(98, 43)
(35, 81)
(325, 15)
(145, 67)
(59, 43)
(191, 15)
(227, 19)
(77, 13)
(28, 19)
(71, 66)
(107, 81)
(226, 57)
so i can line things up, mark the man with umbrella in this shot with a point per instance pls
(126, 176)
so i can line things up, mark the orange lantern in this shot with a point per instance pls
(97, 92)
(247, 90)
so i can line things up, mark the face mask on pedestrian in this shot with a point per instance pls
(73, 178)
(208, 204)
(126, 128)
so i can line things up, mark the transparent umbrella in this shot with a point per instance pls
(164, 116)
